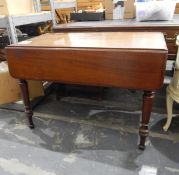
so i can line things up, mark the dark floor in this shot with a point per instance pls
(89, 131)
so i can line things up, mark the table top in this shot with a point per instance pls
(124, 23)
(109, 40)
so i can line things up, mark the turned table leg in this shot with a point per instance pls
(26, 100)
(146, 111)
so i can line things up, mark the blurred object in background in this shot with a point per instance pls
(177, 8)
(36, 29)
(4, 39)
(2, 55)
(89, 4)
(95, 13)
(46, 28)
(119, 9)
(63, 16)
(155, 10)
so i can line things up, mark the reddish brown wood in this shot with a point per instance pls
(110, 68)
(121, 59)
(146, 111)
(169, 28)
(26, 100)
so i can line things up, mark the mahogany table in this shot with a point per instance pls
(108, 59)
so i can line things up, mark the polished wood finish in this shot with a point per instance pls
(102, 59)
(170, 29)
(26, 100)
(146, 111)
(110, 59)
(103, 40)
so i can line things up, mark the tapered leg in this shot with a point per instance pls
(146, 111)
(169, 103)
(26, 100)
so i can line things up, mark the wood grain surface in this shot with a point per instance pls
(127, 60)
(169, 28)
(118, 40)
